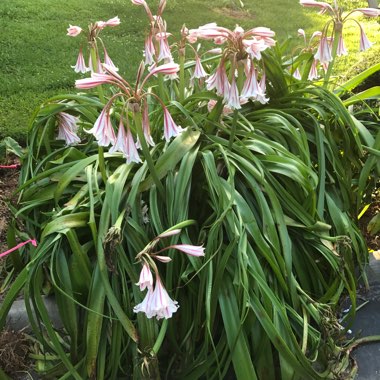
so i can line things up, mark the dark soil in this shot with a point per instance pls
(14, 350)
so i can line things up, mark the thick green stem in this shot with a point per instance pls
(94, 61)
(102, 164)
(182, 76)
(233, 129)
(146, 153)
(334, 50)
(160, 337)
(240, 84)
(161, 88)
(240, 77)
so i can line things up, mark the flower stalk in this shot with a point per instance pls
(182, 76)
(337, 36)
(146, 152)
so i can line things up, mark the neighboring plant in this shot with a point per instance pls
(226, 182)
(330, 40)
(10, 146)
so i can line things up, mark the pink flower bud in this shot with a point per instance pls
(191, 250)
(163, 259)
(169, 233)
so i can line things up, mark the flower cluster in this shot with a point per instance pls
(238, 77)
(156, 48)
(94, 61)
(157, 302)
(133, 98)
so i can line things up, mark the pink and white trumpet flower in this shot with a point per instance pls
(67, 128)
(80, 66)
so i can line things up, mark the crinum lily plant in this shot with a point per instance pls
(197, 221)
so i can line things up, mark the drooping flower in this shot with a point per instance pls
(146, 278)
(199, 71)
(120, 144)
(165, 53)
(341, 47)
(297, 74)
(261, 95)
(102, 129)
(108, 61)
(251, 88)
(157, 303)
(219, 81)
(313, 73)
(145, 305)
(80, 66)
(133, 154)
(67, 128)
(73, 30)
(232, 97)
(149, 51)
(171, 129)
(146, 126)
(365, 43)
(324, 51)
(162, 306)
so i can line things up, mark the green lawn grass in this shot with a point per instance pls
(36, 54)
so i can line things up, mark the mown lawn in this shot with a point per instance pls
(36, 54)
